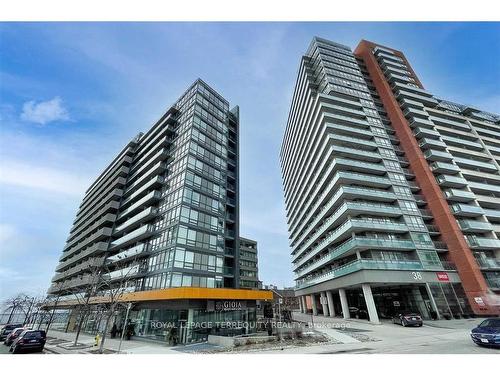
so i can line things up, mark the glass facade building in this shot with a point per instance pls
(165, 213)
(390, 192)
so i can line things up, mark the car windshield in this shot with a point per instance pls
(491, 323)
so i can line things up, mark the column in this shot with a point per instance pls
(324, 304)
(301, 305)
(313, 300)
(329, 297)
(370, 303)
(304, 303)
(343, 303)
(433, 302)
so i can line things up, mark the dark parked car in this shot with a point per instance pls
(29, 340)
(13, 335)
(487, 333)
(408, 319)
(357, 313)
(8, 329)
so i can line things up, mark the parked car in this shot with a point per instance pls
(408, 319)
(357, 313)
(13, 335)
(29, 340)
(8, 329)
(487, 333)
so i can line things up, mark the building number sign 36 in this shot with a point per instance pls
(416, 275)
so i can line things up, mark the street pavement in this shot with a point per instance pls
(437, 337)
(348, 336)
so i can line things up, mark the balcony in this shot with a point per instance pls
(415, 113)
(474, 226)
(492, 214)
(467, 163)
(347, 208)
(451, 181)
(426, 133)
(141, 203)
(343, 231)
(449, 123)
(466, 210)
(356, 153)
(134, 236)
(433, 155)
(141, 217)
(416, 122)
(484, 188)
(483, 243)
(427, 100)
(488, 263)
(459, 195)
(357, 265)
(493, 283)
(459, 142)
(125, 273)
(441, 167)
(134, 252)
(355, 244)
(427, 143)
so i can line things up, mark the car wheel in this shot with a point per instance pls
(15, 350)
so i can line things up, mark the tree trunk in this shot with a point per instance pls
(80, 323)
(11, 313)
(108, 318)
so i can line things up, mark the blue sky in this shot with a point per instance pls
(72, 94)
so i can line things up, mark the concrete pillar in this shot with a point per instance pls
(329, 297)
(313, 301)
(301, 304)
(343, 303)
(304, 304)
(433, 302)
(324, 304)
(370, 303)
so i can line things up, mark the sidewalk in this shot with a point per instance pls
(57, 340)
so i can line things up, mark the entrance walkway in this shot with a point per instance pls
(56, 339)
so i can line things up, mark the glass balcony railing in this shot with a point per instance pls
(459, 195)
(352, 207)
(434, 155)
(475, 226)
(482, 243)
(441, 167)
(488, 263)
(357, 265)
(493, 283)
(451, 181)
(357, 243)
(492, 214)
(466, 210)
(427, 143)
(135, 235)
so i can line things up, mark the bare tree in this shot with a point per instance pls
(21, 302)
(114, 290)
(83, 296)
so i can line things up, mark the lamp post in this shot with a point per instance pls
(129, 306)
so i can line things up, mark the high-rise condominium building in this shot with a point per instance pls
(392, 194)
(162, 222)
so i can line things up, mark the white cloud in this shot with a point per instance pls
(44, 112)
(36, 177)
